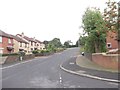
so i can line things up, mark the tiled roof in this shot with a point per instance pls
(19, 39)
(38, 41)
(4, 34)
(30, 39)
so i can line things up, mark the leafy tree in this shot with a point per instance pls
(112, 17)
(46, 43)
(66, 44)
(94, 27)
(54, 44)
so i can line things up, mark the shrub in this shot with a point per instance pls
(35, 51)
(21, 53)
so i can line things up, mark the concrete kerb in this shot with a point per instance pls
(89, 76)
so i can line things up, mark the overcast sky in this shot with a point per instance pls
(45, 19)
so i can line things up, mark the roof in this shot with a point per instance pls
(18, 39)
(27, 38)
(30, 39)
(38, 41)
(4, 34)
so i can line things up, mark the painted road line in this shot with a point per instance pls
(71, 63)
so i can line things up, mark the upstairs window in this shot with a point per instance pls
(25, 45)
(9, 40)
(0, 39)
(31, 43)
(20, 44)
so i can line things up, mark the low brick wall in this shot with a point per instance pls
(27, 57)
(11, 59)
(3, 59)
(106, 60)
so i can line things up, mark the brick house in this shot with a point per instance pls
(111, 40)
(6, 43)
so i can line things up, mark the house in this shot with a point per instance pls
(111, 40)
(40, 45)
(19, 44)
(33, 44)
(6, 43)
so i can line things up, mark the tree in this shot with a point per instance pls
(94, 27)
(66, 44)
(54, 44)
(46, 43)
(112, 17)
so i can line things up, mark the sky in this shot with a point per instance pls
(45, 19)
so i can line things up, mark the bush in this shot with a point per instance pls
(21, 53)
(35, 51)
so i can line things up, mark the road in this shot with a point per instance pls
(44, 72)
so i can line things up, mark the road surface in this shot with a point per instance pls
(44, 72)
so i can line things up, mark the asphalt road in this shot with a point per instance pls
(44, 72)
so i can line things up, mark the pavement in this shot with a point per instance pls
(80, 65)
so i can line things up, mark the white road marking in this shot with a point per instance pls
(71, 63)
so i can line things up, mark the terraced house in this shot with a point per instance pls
(6, 43)
(19, 44)
(33, 44)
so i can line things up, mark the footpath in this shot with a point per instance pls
(82, 66)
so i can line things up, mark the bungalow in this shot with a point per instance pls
(6, 43)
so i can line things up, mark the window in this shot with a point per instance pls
(109, 45)
(0, 39)
(25, 45)
(31, 43)
(20, 44)
(9, 40)
(31, 49)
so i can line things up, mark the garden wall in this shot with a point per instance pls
(106, 60)
(15, 58)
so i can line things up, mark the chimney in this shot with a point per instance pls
(22, 34)
(34, 38)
